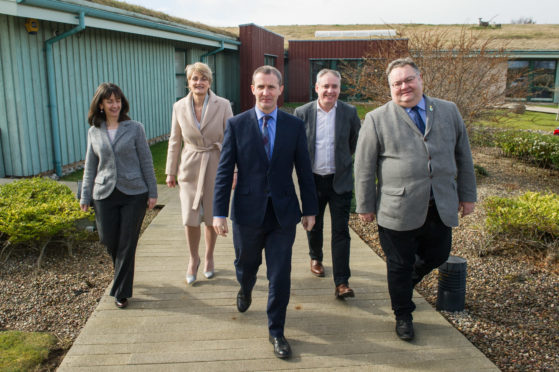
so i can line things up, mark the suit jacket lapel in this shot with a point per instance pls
(401, 112)
(429, 114)
(312, 130)
(119, 132)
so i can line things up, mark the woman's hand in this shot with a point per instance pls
(171, 181)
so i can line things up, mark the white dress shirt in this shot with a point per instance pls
(324, 162)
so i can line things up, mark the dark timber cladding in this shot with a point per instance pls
(302, 51)
(257, 46)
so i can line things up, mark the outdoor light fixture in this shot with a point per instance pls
(32, 26)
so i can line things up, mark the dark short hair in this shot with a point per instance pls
(401, 62)
(105, 91)
(268, 70)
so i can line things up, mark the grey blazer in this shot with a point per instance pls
(347, 131)
(408, 164)
(125, 164)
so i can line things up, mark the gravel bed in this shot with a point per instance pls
(60, 296)
(512, 297)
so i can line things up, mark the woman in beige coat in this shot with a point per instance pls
(197, 128)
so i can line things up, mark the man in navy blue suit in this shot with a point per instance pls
(263, 145)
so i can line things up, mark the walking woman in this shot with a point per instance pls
(119, 179)
(197, 128)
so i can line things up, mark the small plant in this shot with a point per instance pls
(35, 211)
(480, 171)
(539, 149)
(530, 220)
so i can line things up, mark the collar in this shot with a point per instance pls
(421, 105)
(260, 114)
(318, 108)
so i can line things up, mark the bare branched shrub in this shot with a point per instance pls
(470, 70)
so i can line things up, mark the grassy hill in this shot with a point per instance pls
(515, 37)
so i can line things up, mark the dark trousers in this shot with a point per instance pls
(339, 214)
(277, 243)
(119, 220)
(410, 255)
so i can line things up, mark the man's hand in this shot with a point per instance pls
(466, 208)
(220, 226)
(234, 181)
(308, 222)
(84, 207)
(367, 217)
(152, 202)
(171, 181)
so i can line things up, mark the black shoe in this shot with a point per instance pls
(121, 303)
(243, 301)
(281, 347)
(404, 329)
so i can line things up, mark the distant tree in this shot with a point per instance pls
(523, 21)
(470, 70)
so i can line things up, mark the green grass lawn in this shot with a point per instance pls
(528, 120)
(159, 154)
(24, 351)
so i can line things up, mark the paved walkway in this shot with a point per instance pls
(169, 326)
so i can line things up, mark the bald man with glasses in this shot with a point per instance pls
(413, 173)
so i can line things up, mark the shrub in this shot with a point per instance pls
(35, 211)
(539, 149)
(530, 220)
(24, 351)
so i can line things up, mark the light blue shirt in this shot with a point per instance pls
(271, 125)
(421, 106)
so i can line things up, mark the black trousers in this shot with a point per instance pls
(340, 205)
(410, 255)
(119, 220)
(277, 242)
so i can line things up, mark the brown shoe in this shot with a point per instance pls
(316, 268)
(343, 291)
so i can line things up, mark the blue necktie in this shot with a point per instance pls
(265, 135)
(419, 120)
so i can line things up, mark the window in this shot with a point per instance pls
(531, 79)
(270, 60)
(181, 86)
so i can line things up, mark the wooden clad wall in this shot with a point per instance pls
(302, 51)
(256, 42)
(141, 66)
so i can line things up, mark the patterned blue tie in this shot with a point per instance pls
(265, 135)
(419, 120)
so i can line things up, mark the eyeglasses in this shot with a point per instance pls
(408, 81)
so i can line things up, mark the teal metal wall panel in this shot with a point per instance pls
(142, 66)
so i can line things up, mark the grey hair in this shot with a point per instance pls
(401, 62)
(325, 71)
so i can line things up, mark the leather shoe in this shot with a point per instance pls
(281, 347)
(343, 291)
(121, 303)
(404, 329)
(243, 301)
(316, 268)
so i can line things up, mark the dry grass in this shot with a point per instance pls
(153, 13)
(524, 37)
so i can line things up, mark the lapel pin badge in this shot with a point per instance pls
(430, 108)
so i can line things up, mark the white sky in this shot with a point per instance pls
(310, 12)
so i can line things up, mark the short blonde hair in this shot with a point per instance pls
(201, 68)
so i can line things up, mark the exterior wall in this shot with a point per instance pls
(302, 51)
(256, 44)
(142, 66)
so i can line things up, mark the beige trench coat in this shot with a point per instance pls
(193, 155)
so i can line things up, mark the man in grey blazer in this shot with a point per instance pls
(332, 128)
(417, 148)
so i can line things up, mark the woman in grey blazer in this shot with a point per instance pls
(119, 179)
